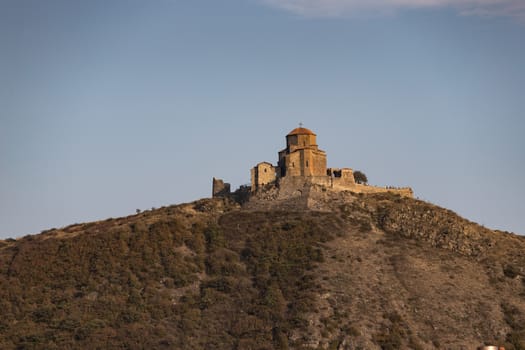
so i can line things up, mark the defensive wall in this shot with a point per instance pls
(293, 186)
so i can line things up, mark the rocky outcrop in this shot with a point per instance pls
(440, 227)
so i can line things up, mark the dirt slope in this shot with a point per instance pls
(358, 272)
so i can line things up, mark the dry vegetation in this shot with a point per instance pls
(374, 272)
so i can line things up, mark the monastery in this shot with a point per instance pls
(302, 164)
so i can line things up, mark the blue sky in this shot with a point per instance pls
(115, 105)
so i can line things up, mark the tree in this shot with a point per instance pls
(360, 177)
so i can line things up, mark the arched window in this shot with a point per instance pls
(307, 164)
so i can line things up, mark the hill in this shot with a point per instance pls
(345, 272)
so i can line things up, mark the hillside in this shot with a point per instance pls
(358, 272)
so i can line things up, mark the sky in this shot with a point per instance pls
(108, 106)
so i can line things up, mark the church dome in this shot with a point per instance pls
(301, 131)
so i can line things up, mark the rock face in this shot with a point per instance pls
(439, 228)
(312, 269)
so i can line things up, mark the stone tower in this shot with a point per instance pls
(262, 174)
(302, 156)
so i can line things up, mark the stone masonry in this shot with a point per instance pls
(300, 165)
(302, 162)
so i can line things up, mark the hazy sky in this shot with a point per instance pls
(107, 106)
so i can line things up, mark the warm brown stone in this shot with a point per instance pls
(302, 156)
(305, 163)
(302, 164)
(262, 174)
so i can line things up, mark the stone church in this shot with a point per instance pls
(303, 163)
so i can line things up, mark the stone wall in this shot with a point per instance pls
(301, 193)
(290, 186)
(402, 191)
(297, 186)
(305, 162)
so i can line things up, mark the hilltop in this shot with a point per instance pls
(337, 271)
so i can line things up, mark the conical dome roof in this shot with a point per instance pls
(301, 131)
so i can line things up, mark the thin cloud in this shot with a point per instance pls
(343, 8)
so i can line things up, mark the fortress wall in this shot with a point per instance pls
(290, 186)
(403, 191)
(295, 186)
(357, 188)
(341, 185)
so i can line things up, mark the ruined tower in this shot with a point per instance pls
(220, 188)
